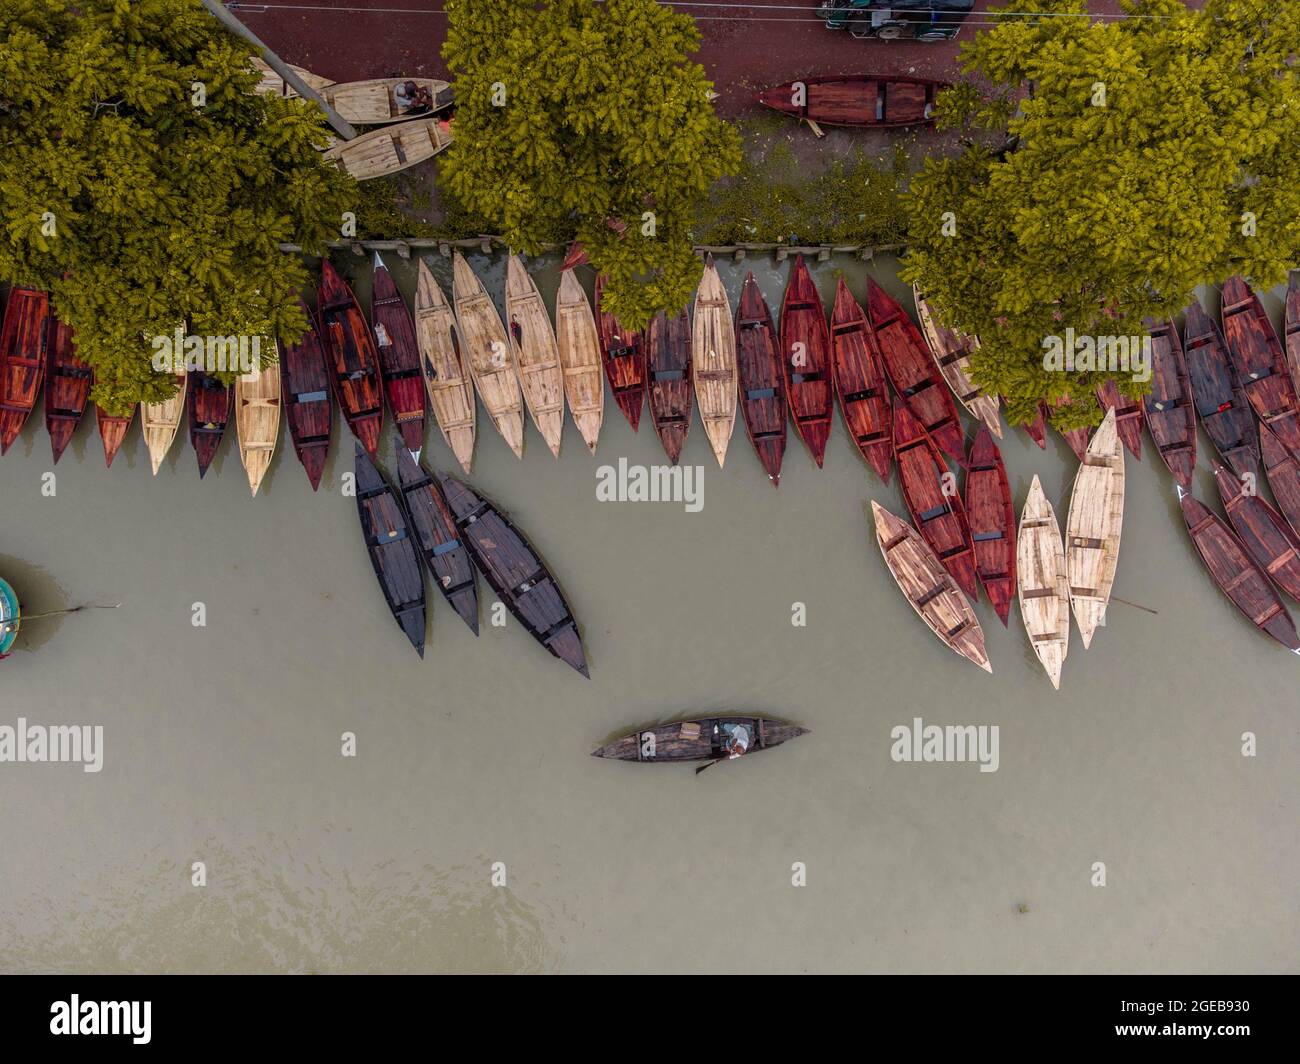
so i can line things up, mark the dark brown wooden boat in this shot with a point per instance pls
(1076, 438)
(445, 556)
(860, 383)
(23, 338)
(351, 357)
(806, 361)
(67, 386)
(992, 522)
(762, 387)
(1236, 573)
(1170, 408)
(1292, 338)
(515, 572)
(856, 99)
(623, 355)
(1283, 470)
(668, 365)
(211, 405)
(387, 532)
(912, 372)
(305, 392)
(112, 432)
(1221, 402)
(1263, 531)
(930, 491)
(1257, 354)
(399, 358)
(695, 740)
(1128, 416)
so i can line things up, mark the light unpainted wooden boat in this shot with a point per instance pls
(375, 102)
(929, 587)
(713, 357)
(389, 149)
(584, 381)
(537, 354)
(160, 422)
(1043, 586)
(952, 351)
(1092, 528)
(488, 356)
(257, 421)
(451, 393)
(274, 85)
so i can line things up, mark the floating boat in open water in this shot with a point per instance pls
(1257, 354)
(389, 149)
(1170, 406)
(351, 358)
(488, 356)
(806, 361)
(762, 385)
(451, 391)
(624, 358)
(305, 391)
(1221, 402)
(1263, 531)
(1283, 470)
(536, 352)
(210, 403)
(670, 390)
(713, 350)
(1093, 527)
(584, 382)
(952, 351)
(24, 335)
(1128, 416)
(856, 99)
(992, 522)
(695, 740)
(160, 422)
(392, 550)
(67, 386)
(257, 421)
(399, 358)
(1044, 586)
(112, 432)
(860, 383)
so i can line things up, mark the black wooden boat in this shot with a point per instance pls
(695, 740)
(387, 532)
(1170, 407)
(1220, 399)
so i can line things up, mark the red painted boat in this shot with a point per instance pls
(23, 338)
(351, 357)
(668, 365)
(758, 369)
(1128, 416)
(1170, 408)
(1257, 354)
(806, 361)
(992, 522)
(211, 405)
(399, 358)
(67, 386)
(305, 391)
(1263, 531)
(1036, 429)
(112, 432)
(1220, 400)
(1076, 438)
(860, 383)
(930, 491)
(1282, 467)
(856, 99)
(1293, 328)
(912, 372)
(623, 355)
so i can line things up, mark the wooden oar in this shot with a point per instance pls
(73, 609)
(1136, 606)
(709, 765)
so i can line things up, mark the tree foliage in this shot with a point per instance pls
(1150, 155)
(577, 118)
(143, 183)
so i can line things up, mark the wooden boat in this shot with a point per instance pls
(390, 149)
(1221, 402)
(992, 522)
(24, 335)
(399, 358)
(713, 350)
(1076, 438)
(112, 432)
(375, 102)
(1093, 526)
(67, 386)
(952, 351)
(860, 383)
(1128, 416)
(856, 100)
(537, 354)
(806, 361)
(274, 85)
(1044, 587)
(451, 392)
(1282, 468)
(670, 391)
(762, 384)
(515, 572)
(584, 382)
(1257, 354)
(387, 532)
(11, 617)
(1170, 406)
(929, 587)
(489, 357)
(1293, 328)
(351, 358)
(1037, 429)
(209, 403)
(1238, 577)
(695, 740)
(305, 392)
(930, 491)
(623, 354)
(160, 422)
(1263, 531)
(257, 421)
(445, 556)
(912, 372)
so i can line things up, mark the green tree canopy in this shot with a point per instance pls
(577, 118)
(143, 183)
(1150, 155)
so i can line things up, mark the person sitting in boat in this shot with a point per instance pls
(413, 99)
(735, 739)
(516, 330)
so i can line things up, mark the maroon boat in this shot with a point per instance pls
(23, 338)
(67, 386)
(1076, 438)
(856, 99)
(1036, 429)
(668, 365)
(623, 355)
(1128, 416)
(351, 358)
(1170, 408)
(1257, 354)
(1293, 328)
(399, 358)
(1263, 531)
(1220, 400)
(992, 522)
(112, 431)
(912, 371)
(1283, 470)
(806, 361)
(305, 386)
(210, 404)
(758, 371)
(860, 383)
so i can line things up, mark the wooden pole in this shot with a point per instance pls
(336, 120)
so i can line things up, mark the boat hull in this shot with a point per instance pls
(624, 358)
(762, 384)
(713, 350)
(24, 336)
(391, 546)
(351, 358)
(806, 361)
(210, 404)
(1093, 527)
(451, 390)
(667, 744)
(399, 358)
(1260, 362)
(1220, 401)
(1043, 585)
(308, 408)
(992, 522)
(1170, 405)
(860, 383)
(856, 100)
(670, 391)
(67, 386)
